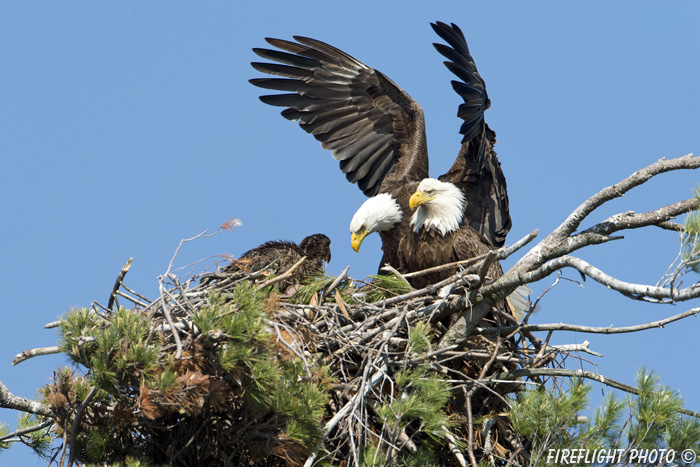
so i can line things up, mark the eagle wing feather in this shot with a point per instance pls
(374, 128)
(476, 171)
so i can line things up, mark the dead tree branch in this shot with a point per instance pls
(118, 282)
(589, 329)
(10, 401)
(31, 353)
(551, 254)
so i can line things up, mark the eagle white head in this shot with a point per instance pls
(438, 205)
(377, 214)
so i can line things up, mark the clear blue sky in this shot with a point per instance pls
(125, 127)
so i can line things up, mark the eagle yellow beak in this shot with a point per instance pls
(418, 198)
(356, 240)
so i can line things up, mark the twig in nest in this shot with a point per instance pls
(133, 300)
(429, 290)
(117, 283)
(484, 268)
(334, 284)
(341, 305)
(464, 263)
(389, 268)
(284, 276)
(169, 318)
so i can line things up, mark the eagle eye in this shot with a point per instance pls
(431, 192)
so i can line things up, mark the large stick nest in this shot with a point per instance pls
(229, 371)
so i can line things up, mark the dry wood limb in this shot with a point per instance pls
(600, 233)
(553, 245)
(550, 254)
(284, 276)
(31, 353)
(118, 282)
(484, 268)
(672, 226)
(334, 284)
(166, 312)
(10, 401)
(570, 348)
(133, 300)
(590, 329)
(466, 321)
(688, 162)
(632, 220)
(64, 445)
(637, 291)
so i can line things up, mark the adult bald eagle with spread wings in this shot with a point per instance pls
(377, 132)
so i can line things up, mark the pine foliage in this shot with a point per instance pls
(553, 420)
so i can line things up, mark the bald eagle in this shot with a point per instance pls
(377, 132)
(439, 234)
(279, 256)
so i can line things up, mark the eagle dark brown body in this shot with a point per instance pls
(280, 255)
(377, 132)
(426, 249)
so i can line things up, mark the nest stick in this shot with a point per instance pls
(284, 276)
(117, 283)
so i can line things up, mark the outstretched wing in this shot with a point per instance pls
(373, 127)
(476, 170)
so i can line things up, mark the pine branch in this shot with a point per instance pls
(559, 372)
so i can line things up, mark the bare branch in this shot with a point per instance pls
(118, 282)
(673, 226)
(583, 347)
(589, 329)
(506, 251)
(555, 243)
(572, 222)
(631, 220)
(31, 353)
(10, 401)
(334, 284)
(638, 291)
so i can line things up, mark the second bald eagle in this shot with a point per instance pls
(377, 132)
